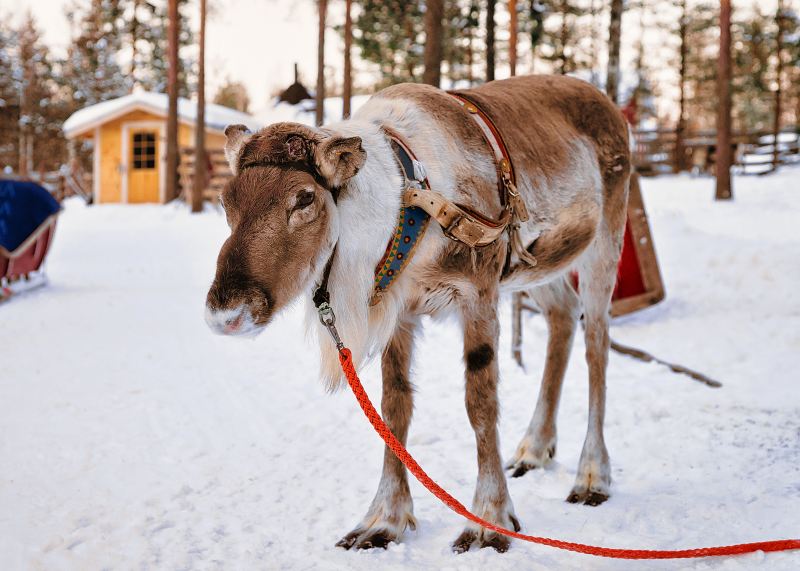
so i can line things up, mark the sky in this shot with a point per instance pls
(258, 41)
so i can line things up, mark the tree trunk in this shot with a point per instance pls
(320, 111)
(135, 28)
(512, 37)
(490, 6)
(432, 55)
(470, 57)
(172, 110)
(614, 35)
(563, 38)
(679, 160)
(723, 158)
(200, 163)
(347, 89)
(776, 126)
(593, 58)
(21, 132)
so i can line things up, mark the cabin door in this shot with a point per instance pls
(143, 165)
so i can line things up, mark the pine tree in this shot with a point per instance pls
(701, 65)
(389, 34)
(564, 27)
(32, 74)
(139, 18)
(9, 98)
(643, 93)
(791, 48)
(531, 23)
(154, 60)
(91, 65)
(460, 52)
(754, 45)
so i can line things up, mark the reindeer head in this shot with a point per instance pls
(281, 208)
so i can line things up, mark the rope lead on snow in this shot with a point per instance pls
(328, 319)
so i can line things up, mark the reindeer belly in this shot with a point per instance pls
(437, 296)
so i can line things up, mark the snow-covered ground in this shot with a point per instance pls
(132, 438)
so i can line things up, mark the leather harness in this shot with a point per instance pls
(420, 203)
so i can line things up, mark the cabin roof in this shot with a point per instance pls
(217, 116)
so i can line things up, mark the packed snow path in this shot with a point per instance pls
(132, 438)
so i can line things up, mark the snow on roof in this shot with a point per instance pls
(217, 116)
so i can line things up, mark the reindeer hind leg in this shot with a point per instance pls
(559, 306)
(597, 272)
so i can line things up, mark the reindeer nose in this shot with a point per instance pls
(226, 321)
(233, 324)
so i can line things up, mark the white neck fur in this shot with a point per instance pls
(367, 213)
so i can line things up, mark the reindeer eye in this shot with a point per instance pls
(304, 199)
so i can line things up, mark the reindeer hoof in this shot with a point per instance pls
(499, 543)
(359, 539)
(526, 460)
(587, 497)
(485, 538)
(465, 541)
(379, 539)
(348, 540)
(521, 468)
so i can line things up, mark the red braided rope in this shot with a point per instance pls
(403, 455)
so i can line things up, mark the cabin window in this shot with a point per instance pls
(144, 150)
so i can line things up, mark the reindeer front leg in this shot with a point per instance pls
(491, 500)
(391, 510)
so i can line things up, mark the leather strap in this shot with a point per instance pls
(506, 180)
(506, 177)
(411, 221)
(492, 136)
(458, 222)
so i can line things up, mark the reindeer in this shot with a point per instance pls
(298, 194)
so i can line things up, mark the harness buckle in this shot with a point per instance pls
(515, 200)
(328, 319)
(419, 171)
(469, 236)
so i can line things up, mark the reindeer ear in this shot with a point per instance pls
(236, 136)
(338, 159)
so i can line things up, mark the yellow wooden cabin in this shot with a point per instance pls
(129, 135)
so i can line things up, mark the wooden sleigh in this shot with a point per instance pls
(639, 284)
(21, 268)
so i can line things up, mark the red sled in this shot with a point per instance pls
(28, 256)
(639, 282)
(28, 215)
